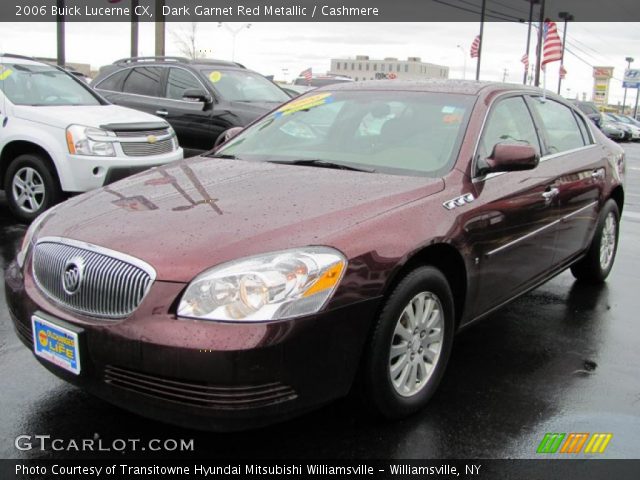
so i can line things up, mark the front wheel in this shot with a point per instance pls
(410, 345)
(31, 187)
(597, 264)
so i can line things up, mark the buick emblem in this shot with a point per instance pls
(72, 275)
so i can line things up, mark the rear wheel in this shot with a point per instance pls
(410, 345)
(597, 264)
(31, 187)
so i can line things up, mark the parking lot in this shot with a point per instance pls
(563, 358)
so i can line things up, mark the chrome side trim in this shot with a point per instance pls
(524, 237)
(580, 210)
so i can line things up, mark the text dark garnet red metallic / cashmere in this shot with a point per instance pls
(345, 236)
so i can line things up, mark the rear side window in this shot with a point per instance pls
(586, 136)
(560, 125)
(509, 122)
(143, 81)
(180, 80)
(114, 82)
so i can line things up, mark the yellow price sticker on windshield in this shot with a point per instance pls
(215, 77)
(305, 104)
(5, 72)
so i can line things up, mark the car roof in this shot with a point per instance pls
(182, 61)
(21, 60)
(465, 87)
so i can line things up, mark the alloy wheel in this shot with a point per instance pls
(608, 241)
(28, 189)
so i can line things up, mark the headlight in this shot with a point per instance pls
(90, 141)
(274, 286)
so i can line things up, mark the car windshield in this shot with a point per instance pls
(396, 132)
(244, 86)
(43, 85)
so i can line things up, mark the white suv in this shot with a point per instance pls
(59, 136)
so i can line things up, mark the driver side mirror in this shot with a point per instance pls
(196, 95)
(227, 135)
(512, 158)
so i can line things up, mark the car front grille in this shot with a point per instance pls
(146, 149)
(111, 285)
(199, 394)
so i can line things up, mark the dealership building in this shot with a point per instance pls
(365, 68)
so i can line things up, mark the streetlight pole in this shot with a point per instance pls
(539, 49)
(482, 14)
(464, 62)
(234, 34)
(567, 17)
(61, 60)
(624, 100)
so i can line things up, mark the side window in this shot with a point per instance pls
(113, 82)
(584, 130)
(509, 122)
(180, 80)
(143, 81)
(560, 125)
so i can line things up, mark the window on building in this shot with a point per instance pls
(367, 65)
(382, 67)
(353, 66)
(345, 65)
(359, 66)
(338, 66)
(375, 67)
(406, 68)
(398, 67)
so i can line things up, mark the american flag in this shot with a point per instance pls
(552, 47)
(525, 60)
(306, 74)
(563, 72)
(475, 46)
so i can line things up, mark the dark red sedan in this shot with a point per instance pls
(339, 241)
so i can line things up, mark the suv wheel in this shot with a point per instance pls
(30, 186)
(410, 345)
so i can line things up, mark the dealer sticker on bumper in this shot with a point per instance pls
(56, 344)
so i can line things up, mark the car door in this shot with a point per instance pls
(190, 119)
(511, 228)
(578, 166)
(141, 89)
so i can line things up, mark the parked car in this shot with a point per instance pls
(321, 80)
(61, 137)
(629, 123)
(626, 128)
(612, 130)
(199, 98)
(341, 240)
(590, 109)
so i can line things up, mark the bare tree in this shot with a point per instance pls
(186, 41)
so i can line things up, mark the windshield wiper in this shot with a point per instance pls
(316, 162)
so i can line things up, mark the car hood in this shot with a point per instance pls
(90, 116)
(187, 216)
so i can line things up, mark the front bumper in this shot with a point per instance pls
(200, 374)
(81, 173)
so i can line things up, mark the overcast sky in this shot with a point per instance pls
(271, 47)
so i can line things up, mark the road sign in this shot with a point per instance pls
(631, 78)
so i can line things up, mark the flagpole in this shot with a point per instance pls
(526, 70)
(544, 84)
(539, 48)
(566, 16)
(484, 6)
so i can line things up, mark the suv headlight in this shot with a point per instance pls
(90, 141)
(274, 286)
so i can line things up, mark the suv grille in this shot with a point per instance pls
(89, 279)
(145, 149)
(142, 133)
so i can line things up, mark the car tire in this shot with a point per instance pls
(30, 186)
(597, 264)
(398, 345)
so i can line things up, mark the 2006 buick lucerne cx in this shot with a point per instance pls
(338, 242)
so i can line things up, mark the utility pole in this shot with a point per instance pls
(624, 100)
(567, 17)
(160, 29)
(539, 48)
(531, 3)
(484, 8)
(505, 74)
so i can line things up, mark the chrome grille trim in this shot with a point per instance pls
(144, 149)
(113, 286)
(141, 133)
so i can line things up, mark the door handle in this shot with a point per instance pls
(598, 174)
(162, 113)
(550, 193)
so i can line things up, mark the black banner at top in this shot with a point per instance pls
(312, 10)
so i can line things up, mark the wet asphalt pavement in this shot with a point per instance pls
(563, 358)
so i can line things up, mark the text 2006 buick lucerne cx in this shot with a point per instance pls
(336, 244)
